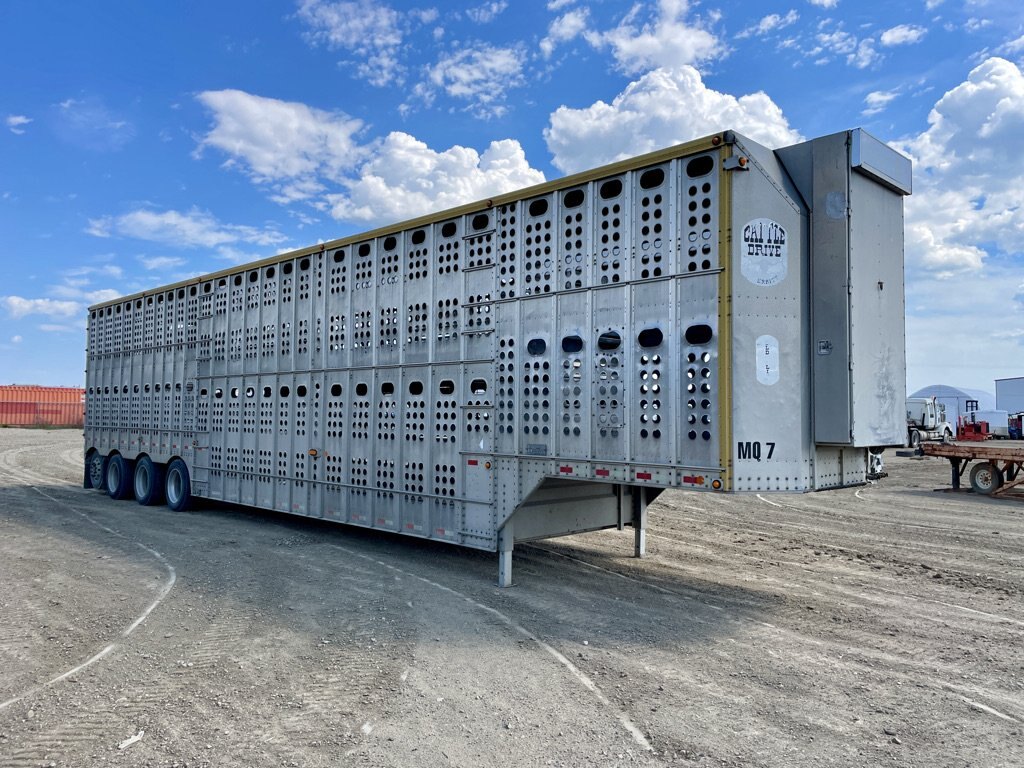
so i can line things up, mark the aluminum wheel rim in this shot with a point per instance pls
(142, 481)
(174, 484)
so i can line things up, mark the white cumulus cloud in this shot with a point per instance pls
(285, 143)
(566, 27)
(902, 34)
(661, 39)
(406, 178)
(664, 107)
(969, 170)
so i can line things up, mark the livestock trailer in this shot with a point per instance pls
(716, 316)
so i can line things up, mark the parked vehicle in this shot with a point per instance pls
(926, 420)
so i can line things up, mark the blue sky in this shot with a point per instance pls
(141, 143)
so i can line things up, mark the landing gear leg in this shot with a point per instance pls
(639, 522)
(505, 543)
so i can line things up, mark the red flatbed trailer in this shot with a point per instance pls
(997, 470)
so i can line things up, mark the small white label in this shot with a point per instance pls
(765, 258)
(767, 358)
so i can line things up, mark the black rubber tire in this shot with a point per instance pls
(119, 477)
(986, 477)
(177, 486)
(915, 439)
(148, 482)
(96, 470)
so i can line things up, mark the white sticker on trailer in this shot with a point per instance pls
(767, 360)
(765, 258)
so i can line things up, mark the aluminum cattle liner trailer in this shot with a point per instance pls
(716, 316)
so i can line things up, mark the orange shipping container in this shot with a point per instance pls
(34, 406)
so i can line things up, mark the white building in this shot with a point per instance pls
(1010, 394)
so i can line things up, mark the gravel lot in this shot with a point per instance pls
(864, 627)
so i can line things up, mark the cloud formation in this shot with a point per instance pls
(406, 178)
(16, 123)
(969, 168)
(323, 163)
(190, 229)
(661, 108)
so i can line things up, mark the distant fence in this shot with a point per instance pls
(28, 406)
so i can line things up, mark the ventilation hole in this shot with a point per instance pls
(192, 290)
(536, 346)
(415, 387)
(387, 388)
(339, 256)
(698, 334)
(480, 221)
(266, 391)
(650, 337)
(271, 272)
(609, 340)
(572, 344)
(448, 229)
(611, 189)
(573, 198)
(419, 236)
(539, 207)
(335, 390)
(700, 166)
(652, 178)
(390, 243)
(237, 280)
(446, 387)
(300, 390)
(361, 389)
(304, 265)
(250, 391)
(254, 276)
(364, 249)
(287, 268)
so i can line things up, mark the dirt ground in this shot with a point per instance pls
(864, 627)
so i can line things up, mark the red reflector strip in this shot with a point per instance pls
(472, 462)
(689, 479)
(439, 531)
(381, 521)
(602, 472)
(565, 470)
(643, 475)
(410, 526)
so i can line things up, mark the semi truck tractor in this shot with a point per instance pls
(926, 420)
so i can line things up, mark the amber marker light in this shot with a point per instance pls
(487, 465)
(716, 140)
(716, 484)
(312, 452)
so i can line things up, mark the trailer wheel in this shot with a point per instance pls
(119, 477)
(148, 481)
(177, 486)
(915, 439)
(96, 469)
(986, 477)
